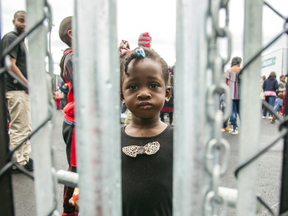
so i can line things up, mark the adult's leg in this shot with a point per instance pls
(265, 109)
(234, 114)
(18, 103)
(271, 103)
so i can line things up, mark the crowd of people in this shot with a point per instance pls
(147, 95)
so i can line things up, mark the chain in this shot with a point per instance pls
(217, 146)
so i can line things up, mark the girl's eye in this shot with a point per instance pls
(154, 85)
(133, 87)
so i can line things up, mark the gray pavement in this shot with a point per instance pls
(269, 172)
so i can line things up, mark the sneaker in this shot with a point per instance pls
(225, 129)
(263, 116)
(234, 131)
(29, 165)
(270, 117)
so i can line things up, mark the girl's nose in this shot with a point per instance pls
(144, 94)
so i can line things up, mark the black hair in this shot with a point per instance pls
(236, 60)
(19, 12)
(126, 58)
(65, 26)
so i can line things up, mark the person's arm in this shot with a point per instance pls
(16, 70)
(276, 85)
(264, 85)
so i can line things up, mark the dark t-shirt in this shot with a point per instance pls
(147, 179)
(18, 53)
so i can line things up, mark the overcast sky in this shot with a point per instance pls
(159, 20)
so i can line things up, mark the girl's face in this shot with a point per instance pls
(144, 91)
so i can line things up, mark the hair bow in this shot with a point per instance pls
(149, 149)
(140, 52)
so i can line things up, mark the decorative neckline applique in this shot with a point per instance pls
(149, 149)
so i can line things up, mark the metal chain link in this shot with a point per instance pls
(217, 146)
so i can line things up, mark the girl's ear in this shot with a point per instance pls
(122, 98)
(168, 94)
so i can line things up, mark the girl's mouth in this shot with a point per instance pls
(144, 105)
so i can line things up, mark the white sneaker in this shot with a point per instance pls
(270, 117)
(234, 131)
(263, 116)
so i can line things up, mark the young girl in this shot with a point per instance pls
(147, 143)
(146, 176)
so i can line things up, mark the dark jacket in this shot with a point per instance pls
(270, 85)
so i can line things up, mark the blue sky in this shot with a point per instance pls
(161, 24)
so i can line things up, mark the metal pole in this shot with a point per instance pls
(6, 199)
(250, 107)
(189, 178)
(40, 95)
(96, 65)
(284, 183)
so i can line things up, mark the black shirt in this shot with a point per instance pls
(18, 53)
(147, 179)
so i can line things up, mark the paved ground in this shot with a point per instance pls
(269, 171)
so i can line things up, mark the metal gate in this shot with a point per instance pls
(201, 154)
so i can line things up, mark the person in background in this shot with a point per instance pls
(270, 86)
(222, 108)
(232, 79)
(282, 84)
(168, 108)
(64, 89)
(17, 97)
(68, 129)
(278, 105)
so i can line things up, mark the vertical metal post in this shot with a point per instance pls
(249, 108)
(39, 91)
(96, 65)
(6, 199)
(191, 132)
(284, 181)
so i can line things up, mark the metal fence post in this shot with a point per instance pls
(191, 132)
(40, 95)
(96, 65)
(6, 200)
(284, 183)
(250, 108)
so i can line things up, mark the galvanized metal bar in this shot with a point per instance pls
(284, 181)
(67, 178)
(6, 207)
(96, 65)
(190, 183)
(39, 91)
(249, 109)
(6, 199)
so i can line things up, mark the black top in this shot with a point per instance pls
(147, 179)
(18, 53)
(270, 85)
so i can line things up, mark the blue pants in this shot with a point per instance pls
(271, 101)
(235, 110)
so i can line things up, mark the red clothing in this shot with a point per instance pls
(284, 103)
(67, 74)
